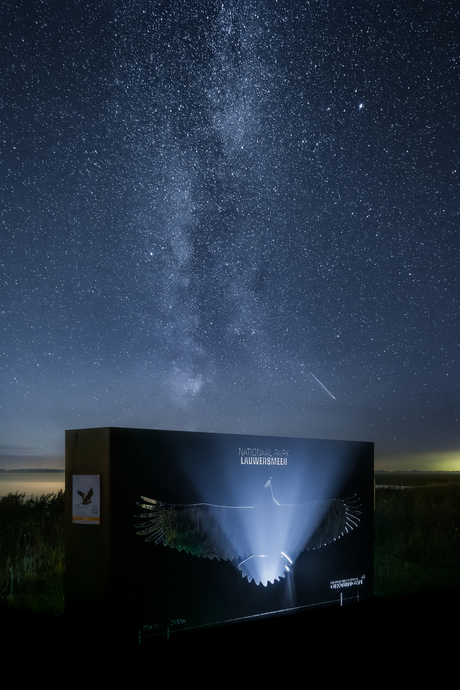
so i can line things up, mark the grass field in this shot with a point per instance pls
(32, 541)
(416, 541)
(416, 533)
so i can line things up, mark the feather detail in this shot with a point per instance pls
(213, 531)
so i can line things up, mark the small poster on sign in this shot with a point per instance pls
(86, 495)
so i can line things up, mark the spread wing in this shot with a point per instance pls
(201, 529)
(86, 497)
(320, 523)
(229, 532)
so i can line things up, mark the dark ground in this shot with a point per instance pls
(381, 637)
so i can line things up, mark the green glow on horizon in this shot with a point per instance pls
(431, 461)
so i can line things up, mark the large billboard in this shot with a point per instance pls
(206, 529)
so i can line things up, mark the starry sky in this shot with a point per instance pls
(230, 216)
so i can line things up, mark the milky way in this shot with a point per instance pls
(203, 202)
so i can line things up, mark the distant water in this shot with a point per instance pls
(28, 483)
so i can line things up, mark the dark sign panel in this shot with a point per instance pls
(207, 529)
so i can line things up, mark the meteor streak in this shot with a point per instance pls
(323, 386)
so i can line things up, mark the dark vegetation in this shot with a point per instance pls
(32, 553)
(416, 478)
(417, 533)
(416, 544)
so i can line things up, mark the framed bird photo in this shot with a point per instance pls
(86, 491)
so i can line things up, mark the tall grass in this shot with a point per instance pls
(32, 542)
(417, 538)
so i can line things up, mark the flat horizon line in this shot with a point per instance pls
(32, 469)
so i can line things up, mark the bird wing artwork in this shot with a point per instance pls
(268, 530)
(86, 498)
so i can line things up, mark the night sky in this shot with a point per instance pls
(230, 216)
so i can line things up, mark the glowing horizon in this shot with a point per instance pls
(428, 461)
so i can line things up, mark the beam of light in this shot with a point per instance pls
(275, 536)
(270, 525)
(323, 386)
